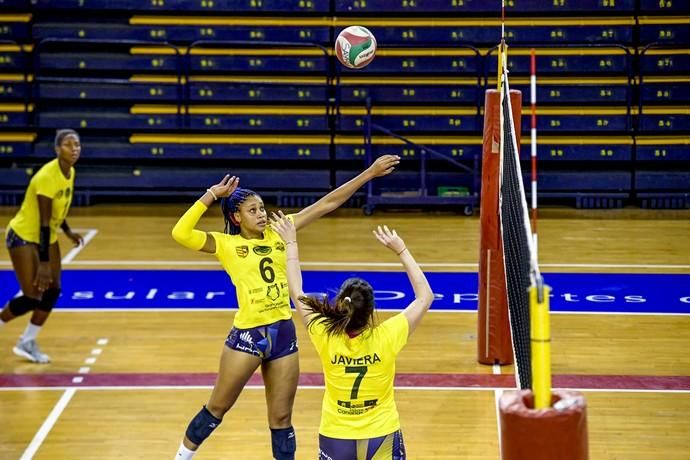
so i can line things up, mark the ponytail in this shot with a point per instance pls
(351, 311)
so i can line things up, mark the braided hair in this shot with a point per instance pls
(230, 205)
(352, 310)
(61, 134)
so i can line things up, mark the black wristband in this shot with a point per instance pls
(65, 228)
(44, 244)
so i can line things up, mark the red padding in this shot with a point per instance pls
(494, 345)
(541, 434)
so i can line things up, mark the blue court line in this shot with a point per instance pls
(577, 292)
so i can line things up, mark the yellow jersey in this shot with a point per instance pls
(51, 183)
(359, 374)
(258, 270)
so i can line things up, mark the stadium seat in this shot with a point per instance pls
(512, 8)
(486, 31)
(664, 29)
(581, 148)
(459, 148)
(15, 27)
(14, 87)
(16, 145)
(215, 6)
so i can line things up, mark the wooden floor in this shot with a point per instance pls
(138, 422)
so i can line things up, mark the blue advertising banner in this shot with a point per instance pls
(576, 292)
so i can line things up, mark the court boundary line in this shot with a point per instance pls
(48, 424)
(472, 265)
(321, 387)
(392, 310)
(66, 397)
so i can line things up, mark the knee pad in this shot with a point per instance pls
(283, 443)
(23, 304)
(201, 426)
(49, 299)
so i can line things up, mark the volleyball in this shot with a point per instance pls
(355, 47)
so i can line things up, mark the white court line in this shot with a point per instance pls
(391, 310)
(69, 392)
(318, 387)
(497, 397)
(48, 424)
(473, 266)
(90, 234)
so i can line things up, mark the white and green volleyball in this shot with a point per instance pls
(355, 47)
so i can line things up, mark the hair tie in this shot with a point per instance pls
(347, 299)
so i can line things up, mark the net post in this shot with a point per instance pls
(493, 326)
(540, 339)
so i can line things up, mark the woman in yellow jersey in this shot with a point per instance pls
(263, 333)
(359, 418)
(32, 242)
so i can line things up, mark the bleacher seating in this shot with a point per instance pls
(165, 92)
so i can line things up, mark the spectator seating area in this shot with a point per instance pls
(171, 94)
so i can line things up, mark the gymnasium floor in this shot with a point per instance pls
(136, 343)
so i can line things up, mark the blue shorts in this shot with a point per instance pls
(268, 342)
(389, 447)
(13, 240)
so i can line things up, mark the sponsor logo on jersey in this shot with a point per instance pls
(262, 250)
(273, 292)
(59, 194)
(242, 251)
(280, 246)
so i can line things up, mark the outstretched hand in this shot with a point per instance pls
(283, 226)
(226, 186)
(384, 165)
(390, 239)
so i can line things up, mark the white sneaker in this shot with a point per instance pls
(30, 351)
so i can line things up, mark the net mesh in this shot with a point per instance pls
(520, 264)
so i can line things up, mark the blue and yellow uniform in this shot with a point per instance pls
(50, 182)
(257, 267)
(359, 400)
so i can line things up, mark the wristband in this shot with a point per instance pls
(404, 249)
(215, 198)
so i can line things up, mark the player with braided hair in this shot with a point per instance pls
(263, 334)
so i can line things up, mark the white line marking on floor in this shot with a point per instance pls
(317, 387)
(78, 379)
(497, 396)
(178, 263)
(90, 360)
(102, 341)
(96, 351)
(48, 424)
(90, 234)
(84, 370)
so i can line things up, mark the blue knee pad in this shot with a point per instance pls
(49, 299)
(201, 426)
(283, 443)
(23, 304)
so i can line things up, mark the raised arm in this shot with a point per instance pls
(287, 231)
(383, 165)
(184, 232)
(422, 291)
